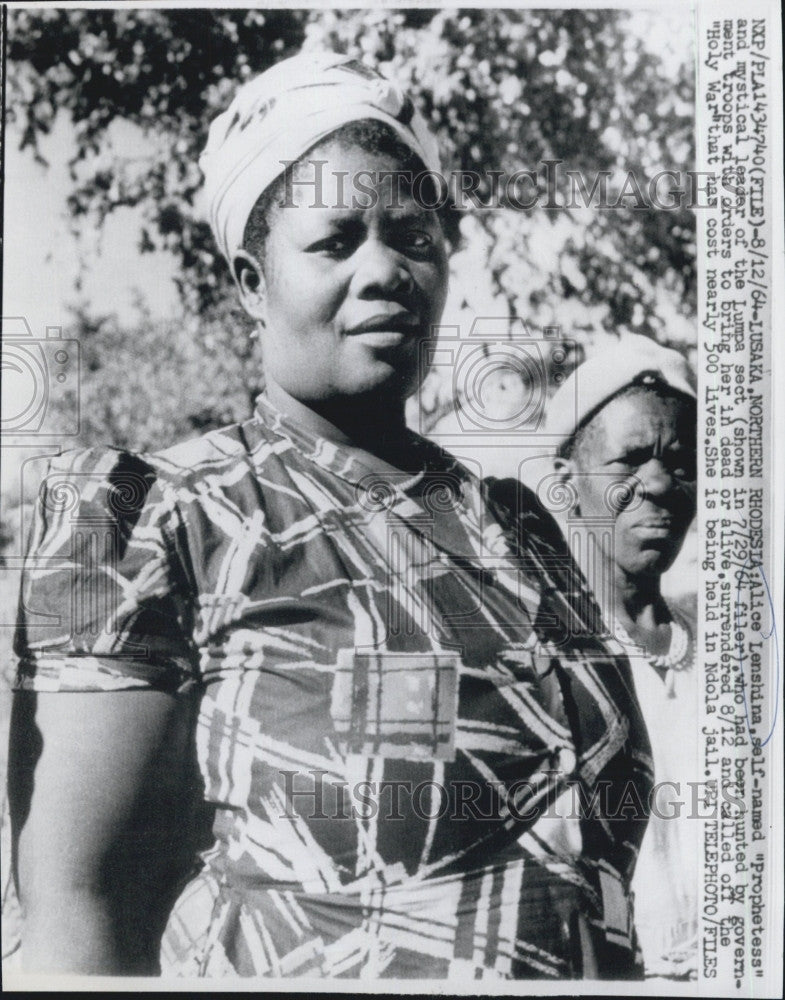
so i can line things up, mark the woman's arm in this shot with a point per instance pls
(102, 804)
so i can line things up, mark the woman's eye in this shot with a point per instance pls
(338, 245)
(333, 245)
(417, 242)
(684, 467)
(630, 460)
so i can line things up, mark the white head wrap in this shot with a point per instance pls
(594, 382)
(280, 115)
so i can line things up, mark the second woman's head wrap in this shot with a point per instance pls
(634, 359)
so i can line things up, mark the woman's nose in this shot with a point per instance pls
(655, 477)
(380, 271)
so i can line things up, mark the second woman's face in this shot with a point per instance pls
(351, 290)
(642, 448)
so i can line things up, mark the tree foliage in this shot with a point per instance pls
(504, 89)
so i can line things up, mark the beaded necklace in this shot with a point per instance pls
(680, 654)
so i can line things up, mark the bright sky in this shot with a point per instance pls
(41, 262)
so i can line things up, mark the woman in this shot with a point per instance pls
(624, 426)
(327, 685)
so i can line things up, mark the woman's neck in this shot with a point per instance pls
(634, 601)
(638, 600)
(373, 425)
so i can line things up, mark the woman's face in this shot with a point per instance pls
(643, 446)
(350, 292)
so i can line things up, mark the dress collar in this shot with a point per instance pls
(356, 465)
(442, 486)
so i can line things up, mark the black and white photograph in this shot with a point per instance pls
(392, 519)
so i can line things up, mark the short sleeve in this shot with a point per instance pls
(104, 601)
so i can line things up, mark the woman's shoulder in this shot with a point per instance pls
(191, 454)
(515, 503)
(102, 578)
(204, 455)
(512, 503)
(95, 483)
(98, 462)
(120, 482)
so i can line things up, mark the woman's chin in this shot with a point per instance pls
(382, 381)
(650, 562)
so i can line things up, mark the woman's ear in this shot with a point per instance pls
(250, 281)
(565, 473)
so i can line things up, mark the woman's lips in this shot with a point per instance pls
(654, 529)
(386, 329)
(397, 322)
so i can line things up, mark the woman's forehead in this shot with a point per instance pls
(340, 178)
(345, 188)
(642, 417)
(345, 152)
(362, 212)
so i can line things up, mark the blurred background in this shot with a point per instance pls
(106, 244)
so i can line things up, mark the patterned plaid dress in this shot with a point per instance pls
(404, 710)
